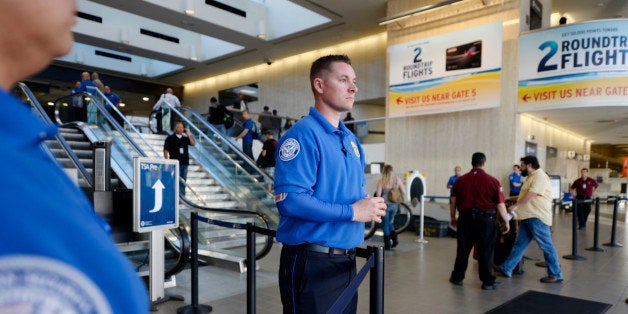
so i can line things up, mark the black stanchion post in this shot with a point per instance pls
(194, 307)
(596, 230)
(250, 269)
(377, 281)
(574, 233)
(614, 226)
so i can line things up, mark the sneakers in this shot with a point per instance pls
(493, 286)
(550, 279)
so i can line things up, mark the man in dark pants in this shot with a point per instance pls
(477, 196)
(176, 147)
(583, 189)
(319, 191)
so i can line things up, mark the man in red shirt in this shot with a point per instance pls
(477, 196)
(583, 189)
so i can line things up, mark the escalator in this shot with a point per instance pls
(206, 194)
(72, 149)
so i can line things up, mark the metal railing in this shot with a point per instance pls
(39, 110)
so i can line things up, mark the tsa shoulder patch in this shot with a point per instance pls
(289, 149)
(34, 282)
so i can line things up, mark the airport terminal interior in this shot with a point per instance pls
(438, 80)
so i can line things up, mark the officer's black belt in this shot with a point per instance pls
(478, 211)
(327, 250)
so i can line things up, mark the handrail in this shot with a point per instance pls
(64, 144)
(107, 115)
(230, 143)
(208, 140)
(262, 217)
(124, 119)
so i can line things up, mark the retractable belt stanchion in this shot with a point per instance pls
(574, 241)
(194, 307)
(250, 269)
(377, 282)
(613, 243)
(596, 230)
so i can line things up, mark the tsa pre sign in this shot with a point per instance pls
(155, 194)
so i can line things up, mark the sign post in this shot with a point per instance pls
(155, 208)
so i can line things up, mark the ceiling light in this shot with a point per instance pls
(407, 14)
(124, 36)
(121, 104)
(50, 103)
(261, 29)
(193, 55)
(145, 98)
(189, 7)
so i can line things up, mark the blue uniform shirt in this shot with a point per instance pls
(248, 138)
(318, 175)
(113, 98)
(53, 244)
(451, 181)
(515, 178)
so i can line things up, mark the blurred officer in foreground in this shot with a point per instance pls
(54, 248)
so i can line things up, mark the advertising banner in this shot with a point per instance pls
(575, 65)
(451, 72)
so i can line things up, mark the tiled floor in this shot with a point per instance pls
(416, 277)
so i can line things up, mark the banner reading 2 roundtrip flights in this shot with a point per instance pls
(575, 65)
(451, 72)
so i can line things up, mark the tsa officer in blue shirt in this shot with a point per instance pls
(320, 194)
(55, 254)
(515, 181)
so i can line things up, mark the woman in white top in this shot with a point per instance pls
(387, 182)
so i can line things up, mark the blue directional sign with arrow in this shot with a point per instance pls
(155, 194)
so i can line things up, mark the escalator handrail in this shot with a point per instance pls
(183, 259)
(269, 239)
(205, 137)
(223, 137)
(64, 144)
(107, 115)
(124, 119)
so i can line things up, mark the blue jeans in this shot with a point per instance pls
(387, 221)
(247, 149)
(183, 175)
(529, 229)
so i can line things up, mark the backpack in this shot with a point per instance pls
(228, 121)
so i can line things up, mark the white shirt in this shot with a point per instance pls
(169, 98)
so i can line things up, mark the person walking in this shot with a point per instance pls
(319, 191)
(217, 114)
(478, 197)
(534, 210)
(176, 147)
(247, 134)
(583, 189)
(387, 183)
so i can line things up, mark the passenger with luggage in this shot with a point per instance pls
(390, 187)
(534, 209)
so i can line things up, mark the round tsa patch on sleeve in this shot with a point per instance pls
(289, 149)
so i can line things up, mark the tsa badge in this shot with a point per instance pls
(355, 149)
(289, 149)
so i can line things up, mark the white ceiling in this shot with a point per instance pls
(214, 41)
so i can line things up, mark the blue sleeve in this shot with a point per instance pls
(304, 206)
